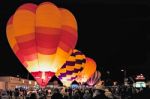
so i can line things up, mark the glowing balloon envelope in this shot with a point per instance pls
(72, 68)
(42, 37)
(88, 71)
(94, 78)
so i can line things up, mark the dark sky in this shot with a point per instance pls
(115, 33)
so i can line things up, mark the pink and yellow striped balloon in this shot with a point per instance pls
(94, 78)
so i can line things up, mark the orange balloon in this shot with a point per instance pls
(42, 37)
(88, 71)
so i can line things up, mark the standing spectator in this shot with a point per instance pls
(46, 92)
(108, 93)
(10, 92)
(25, 93)
(56, 95)
(87, 95)
(81, 92)
(99, 94)
(16, 94)
(69, 93)
(33, 96)
(76, 94)
(65, 94)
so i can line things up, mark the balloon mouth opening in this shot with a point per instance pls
(91, 84)
(42, 77)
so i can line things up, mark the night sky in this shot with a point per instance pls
(115, 33)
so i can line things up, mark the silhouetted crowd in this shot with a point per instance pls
(71, 94)
(118, 92)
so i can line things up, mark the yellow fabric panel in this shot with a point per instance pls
(33, 65)
(60, 58)
(73, 75)
(45, 62)
(80, 57)
(60, 71)
(78, 66)
(71, 58)
(69, 68)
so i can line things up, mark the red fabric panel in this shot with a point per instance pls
(69, 39)
(29, 7)
(10, 21)
(46, 51)
(47, 39)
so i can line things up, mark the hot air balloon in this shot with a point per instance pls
(94, 78)
(88, 71)
(72, 68)
(42, 37)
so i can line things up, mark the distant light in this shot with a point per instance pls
(140, 77)
(29, 82)
(22, 81)
(35, 83)
(49, 90)
(108, 72)
(122, 70)
(17, 75)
